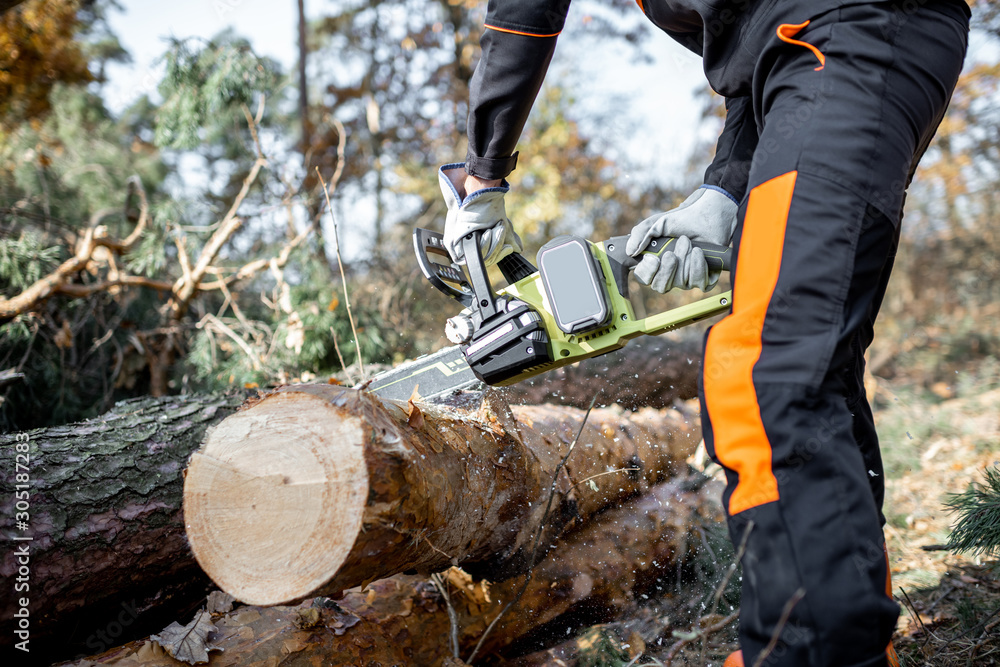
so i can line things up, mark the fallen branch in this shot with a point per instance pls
(187, 285)
(250, 269)
(96, 236)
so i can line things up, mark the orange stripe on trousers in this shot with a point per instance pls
(890, 650)
(734, 346)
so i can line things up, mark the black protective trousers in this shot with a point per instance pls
(844, 104)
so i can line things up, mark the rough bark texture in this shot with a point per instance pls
(104, 517)
(651, 371)
(593, 574)
(317, 489)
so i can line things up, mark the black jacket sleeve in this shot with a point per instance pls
(730, 170)
(517, 43)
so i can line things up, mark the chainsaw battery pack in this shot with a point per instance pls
(574, 284)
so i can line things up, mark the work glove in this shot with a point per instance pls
(708, 215)
(482, 210)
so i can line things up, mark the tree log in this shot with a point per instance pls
(103, 515)
(317, 488)
(593, 574)
(651, 371)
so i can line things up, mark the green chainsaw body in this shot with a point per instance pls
(574, 306)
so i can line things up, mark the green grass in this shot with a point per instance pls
(910, 419)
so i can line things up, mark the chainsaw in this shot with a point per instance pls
(573, 306)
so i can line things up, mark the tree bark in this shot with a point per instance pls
(317, 488)
(102, 523)
(651, 371)
(594, 574)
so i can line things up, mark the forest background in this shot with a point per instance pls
(183, 243)
(203, 229)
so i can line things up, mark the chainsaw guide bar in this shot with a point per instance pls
(433, 376)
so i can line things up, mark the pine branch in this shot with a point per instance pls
(978, 527)
(186, 286)
(251, 268)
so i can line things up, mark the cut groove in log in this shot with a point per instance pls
(319, 488)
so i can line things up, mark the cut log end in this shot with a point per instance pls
(276, 490)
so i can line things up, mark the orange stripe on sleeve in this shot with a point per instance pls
(786, 31)
(518, 32)
(734, 346)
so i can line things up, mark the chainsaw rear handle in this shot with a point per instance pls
(719, 258)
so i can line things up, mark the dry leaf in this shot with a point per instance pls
(188, 643)
(636, 645)
(247, 616)
(64, 337)
(220, 602)
(477, 592)
(414, 417)
(407, 608)
(294, 645)
(307, 618)
(345, 621)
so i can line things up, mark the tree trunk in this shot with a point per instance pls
(303, 81)
(318, 488)
(651, 371)
(593, 574)
(103, 527)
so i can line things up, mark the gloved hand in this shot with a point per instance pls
(708, 215)
(481, 210)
